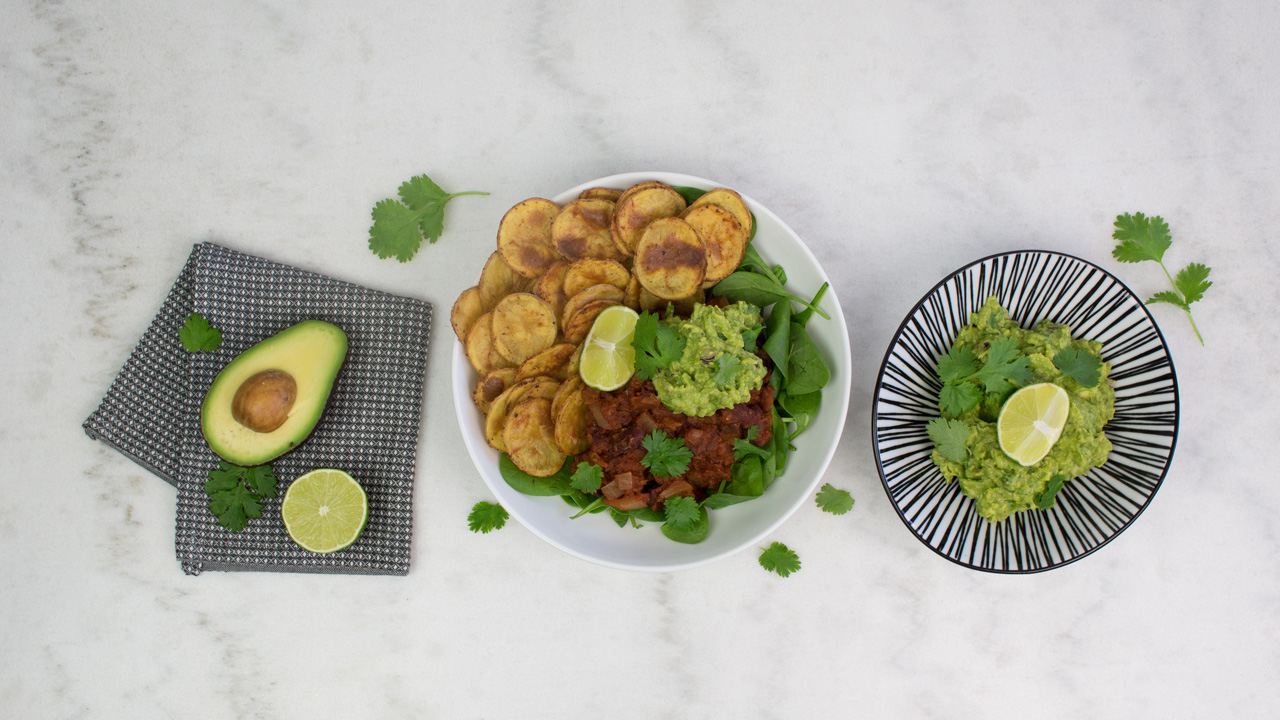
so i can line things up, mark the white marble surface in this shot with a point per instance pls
(899, 139)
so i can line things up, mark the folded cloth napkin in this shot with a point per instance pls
(151, 414)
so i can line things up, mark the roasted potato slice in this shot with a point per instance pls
(491, 385)
(481, 350)
(654, 304)
(496, 417)
(731, 201)
(529, 436)
(466, 309)
(550, 287)
(592, 294)
(583, 230)
(638, 208)
(572, 423)
(577, 326)
(552, 362)
(498, 280)
(671, 260)
(523, 326)
(524, 236)
(603, 193)
(632, 297)
(573, 385)
(723, 237)
(584, 273)
(638, 187)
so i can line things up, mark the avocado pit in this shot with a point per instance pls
(262, 403)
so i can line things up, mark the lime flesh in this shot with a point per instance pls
(325, 510)
(608, 361)
(1031, 421)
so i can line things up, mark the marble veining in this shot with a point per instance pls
(900, 140)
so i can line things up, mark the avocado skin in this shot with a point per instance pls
(312, 352)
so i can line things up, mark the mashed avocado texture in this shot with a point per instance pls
(717, 370)
(999, 484)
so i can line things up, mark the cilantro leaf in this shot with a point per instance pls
(234, 493)
(1005, 367)
(487, 516)
(949, 437)
(234, 507)
(958, 399)
(657, 345)
(682, 512)
(587, 478)
(399, 226)
(727, 367)
(1192, 281)
(262, 480)
(1045, 500)
(665, 457)
(780, 559)
(1141, 238)
(1082, 366)
(958, 364)
(197, 335)
(834, 500)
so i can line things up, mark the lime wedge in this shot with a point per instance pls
(1031, 421)
(608, 360)
(325, 510)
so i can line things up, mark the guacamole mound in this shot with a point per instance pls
(714, 349)
(999, 485)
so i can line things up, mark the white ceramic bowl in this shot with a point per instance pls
(596, 537)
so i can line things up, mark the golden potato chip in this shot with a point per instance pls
(603, 193)
(524, 236)
(496, 417)
(523, 326)
(550, 286)
(632, 298)
(572, 423)
(498, 280)
(636, 210)
(553, 362)
(584, 273)
(573, 385)
(491, 385)
(731, 201)
(638, 187)
(577, 326)
(723, 238)
(583, 230)
(592, 294)
(481, 350)
(465, 310)
(571, 368)
(654, 304)
(671, 260)
(529, 436)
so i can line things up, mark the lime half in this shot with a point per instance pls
(1031, 421)
(608, 361)
(325, 510)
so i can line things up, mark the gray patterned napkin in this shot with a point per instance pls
(370, 428)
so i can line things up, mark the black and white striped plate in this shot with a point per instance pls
(1091, 509)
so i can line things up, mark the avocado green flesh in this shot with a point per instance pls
(312, 352)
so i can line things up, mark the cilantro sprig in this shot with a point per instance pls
(1005, 368)
(486, 517)
(834, 500)
(399, 226)
(657, 345)
(1082, 366)
(197, 335)
(235, 493)
(1145, 238)
(950, 437)
(587, 478)
(664, 456)
(780, 559)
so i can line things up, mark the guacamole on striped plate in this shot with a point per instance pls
(999, 485)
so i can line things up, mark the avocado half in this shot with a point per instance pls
(269, 398)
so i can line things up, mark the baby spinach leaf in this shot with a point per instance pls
(809, 372)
